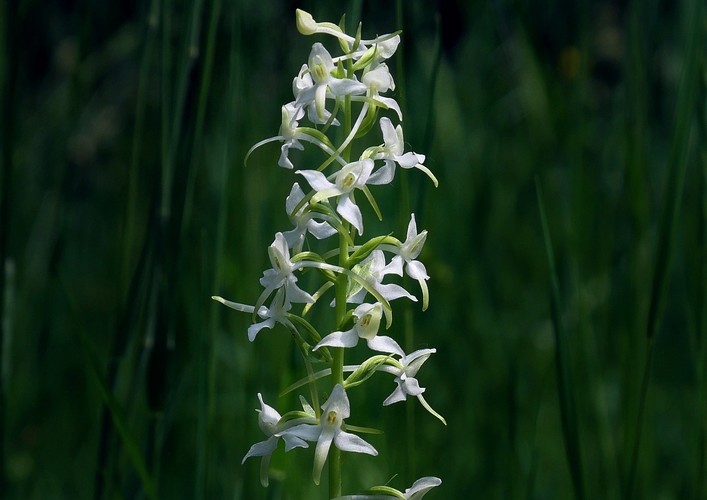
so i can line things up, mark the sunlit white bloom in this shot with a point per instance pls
(303, 222)
(352, 176)
(373, 269)
(366, 327)
(418, 490)
(392, 153)
(282, 273)
(408, 252)
(329, 431)
(321, 66)
(379, 80)
(405, 371)
(268, 419)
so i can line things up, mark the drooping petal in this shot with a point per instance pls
(350, 211)
(322, 450)
(341, 87)
(410, 159)
(292, 441)
(416, 270)
(254, 329)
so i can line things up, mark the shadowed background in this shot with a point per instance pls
(571, 346)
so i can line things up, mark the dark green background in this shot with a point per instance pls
(125, 205)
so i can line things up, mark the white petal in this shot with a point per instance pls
(420, 487)
(416, 270)
(411, 386)
(395, 396)
(253, 330)
(346, 441)
(383, 175)
(392, 104)
(350, 211)
(322, 450)
(295, 293)
(320, 230)
(348, 338)
(393, 291)
(296, 195)
(395, 266)
(341, 87)
(382, 343)
(292, 441)
(409, 160)
(390, 138)
(262, 448)
(316, 179)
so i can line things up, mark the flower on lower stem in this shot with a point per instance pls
(329, 430)
(366, 327)
(268, 419)
(405, 371)
(415, 492)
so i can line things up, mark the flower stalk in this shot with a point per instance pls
(344, 93)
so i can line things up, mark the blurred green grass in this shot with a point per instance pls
(125, 206)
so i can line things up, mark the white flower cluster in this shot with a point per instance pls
(326, 90)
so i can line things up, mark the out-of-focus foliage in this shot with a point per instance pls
(126, 205)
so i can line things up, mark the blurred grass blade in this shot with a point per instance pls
(677, 167)
(565, 387)
(129, 443)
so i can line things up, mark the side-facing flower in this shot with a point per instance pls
(282, 273)
(408, 252)
(415, 492)
(303, 222)
(352, 176)
(276, 313)
(268, 419)
(366, 327)
(379, 80)
(393, 152)
(329, 430)
(373, 269)
(405, 371)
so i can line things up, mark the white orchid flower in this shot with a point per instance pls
(366, 327)
(415, 492)
(405, 371)
(352, 176)
(291, 134)
(408, 252)
(321, 65)
(268, 419)
(329, 430)
(276, 313)
(373, 269)
(303, 222)
(380, 80)
(282, 273)
(392, 153)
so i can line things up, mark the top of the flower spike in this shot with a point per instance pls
(387, 44)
